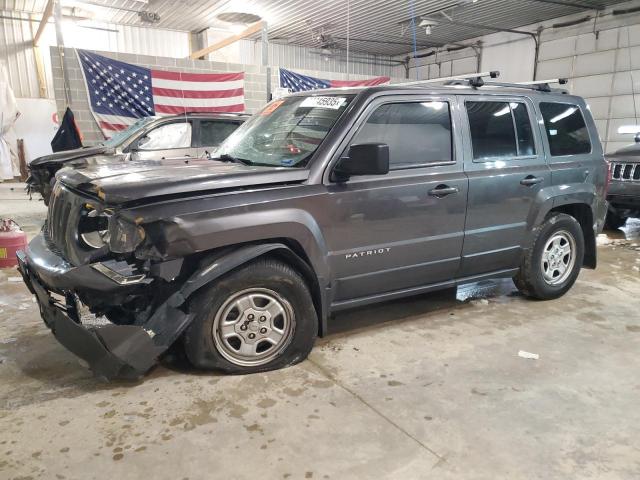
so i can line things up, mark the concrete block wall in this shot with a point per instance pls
(254, 89)
(444, 64)
(255, 92)
(604, 67)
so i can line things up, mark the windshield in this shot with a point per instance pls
(120, 137)
(286, 132)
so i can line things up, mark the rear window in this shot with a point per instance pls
(566, 129)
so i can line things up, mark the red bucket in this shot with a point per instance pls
(12, 239)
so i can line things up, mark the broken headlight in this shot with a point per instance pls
(124, 236)
(93, 228)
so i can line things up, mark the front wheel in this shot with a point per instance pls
(552, 265)
(257, 318)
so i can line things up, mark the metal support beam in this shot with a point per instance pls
(580, 5)
(46, 15)
(37, 57)
(57, 15)
(250, 30)
(265, 57)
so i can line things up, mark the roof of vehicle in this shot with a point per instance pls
(461, 88)
(216, 115)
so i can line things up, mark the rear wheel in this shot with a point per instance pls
(257, 318)
(553, 263)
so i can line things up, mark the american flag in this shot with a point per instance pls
(120, 93)
(296, 82)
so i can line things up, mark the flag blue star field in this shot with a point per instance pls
(296, 82)
(120, 93)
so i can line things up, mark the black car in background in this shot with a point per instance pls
(624, 190)
(150, 138)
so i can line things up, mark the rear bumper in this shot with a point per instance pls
(624, 195)
(111, 351)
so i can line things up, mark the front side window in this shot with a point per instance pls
(287, 131)
(500, 129)
(418, 133)
(172, 135)
(566, 130)
(213, 132)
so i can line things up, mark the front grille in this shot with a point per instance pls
(625, 172)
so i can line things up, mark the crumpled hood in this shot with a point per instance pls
(61, 157)
(131, 181)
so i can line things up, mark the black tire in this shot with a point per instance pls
(207, 351)
(614, 221)
(530, 280)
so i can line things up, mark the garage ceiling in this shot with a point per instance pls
(376, 26)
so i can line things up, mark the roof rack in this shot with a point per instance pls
(537, 85)
(472, 79)
(476, 80)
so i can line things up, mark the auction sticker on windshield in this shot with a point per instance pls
(333, 103)
(269, 109)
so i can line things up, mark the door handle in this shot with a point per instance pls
(530, 180)
(443, 190)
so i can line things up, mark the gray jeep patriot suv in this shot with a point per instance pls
(322, 201)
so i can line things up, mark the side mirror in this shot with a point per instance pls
(363, 159)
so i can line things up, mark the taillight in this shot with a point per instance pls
(607, 180)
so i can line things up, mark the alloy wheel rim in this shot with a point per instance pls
(253, 326)
(558, 257)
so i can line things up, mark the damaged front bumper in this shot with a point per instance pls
(112, 351)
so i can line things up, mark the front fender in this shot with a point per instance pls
(186, 235)
(220, 263)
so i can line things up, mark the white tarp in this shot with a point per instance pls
(9, 113)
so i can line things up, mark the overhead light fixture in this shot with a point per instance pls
(236, 22)
(427, 25)
(628, 129)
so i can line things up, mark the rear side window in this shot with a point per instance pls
(500, 129)
(417, 133)
(566, 129)
(213, 132)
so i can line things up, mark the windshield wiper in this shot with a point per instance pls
(225, 157)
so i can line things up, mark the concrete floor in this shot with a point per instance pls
(430, 387)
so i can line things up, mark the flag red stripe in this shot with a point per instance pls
(112, 126)
(170, 92)
(171, 109)
(197, 77)
(360, 83)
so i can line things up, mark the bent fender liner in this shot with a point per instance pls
(129, 351)
(112, 351)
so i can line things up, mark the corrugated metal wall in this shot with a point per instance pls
(17, 55)
(294, 56)
(249, 52)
